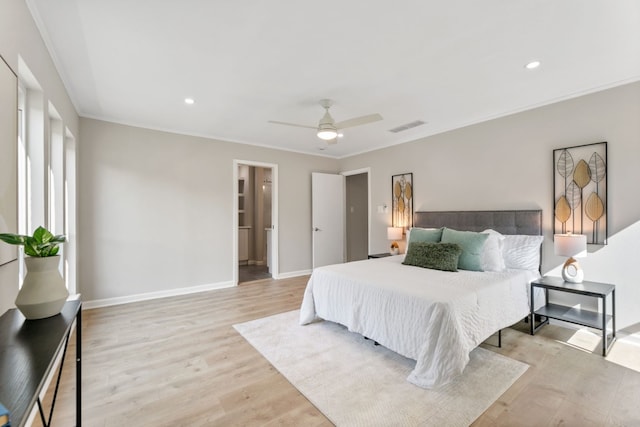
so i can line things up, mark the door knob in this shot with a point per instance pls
(316, 229)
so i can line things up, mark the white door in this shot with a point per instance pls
(327, 199)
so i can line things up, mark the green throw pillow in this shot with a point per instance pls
(471, 244)
(432, 235)
(437, 256)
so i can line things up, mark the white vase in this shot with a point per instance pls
(43, 291)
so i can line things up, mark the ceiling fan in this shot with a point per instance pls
(327, 128)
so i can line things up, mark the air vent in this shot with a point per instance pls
(407, 126)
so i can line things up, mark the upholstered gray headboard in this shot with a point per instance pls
(505, 222)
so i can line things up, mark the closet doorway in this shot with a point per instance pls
(358, 215)
(255, 220)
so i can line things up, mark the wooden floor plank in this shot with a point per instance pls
(179, 362)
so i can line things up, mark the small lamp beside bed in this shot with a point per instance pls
(573, 246)
(394, 234)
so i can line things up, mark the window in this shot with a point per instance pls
(46, 172)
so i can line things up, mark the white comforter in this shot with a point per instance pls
(431, 316)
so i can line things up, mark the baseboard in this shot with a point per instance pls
(293, 274)
(154, 295)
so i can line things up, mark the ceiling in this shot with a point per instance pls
(447, 63)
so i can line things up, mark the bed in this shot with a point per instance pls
(434, 317)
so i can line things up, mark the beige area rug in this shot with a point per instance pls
(354, 383)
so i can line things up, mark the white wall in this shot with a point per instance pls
(507, 164)
(20, 38)
(155, 209)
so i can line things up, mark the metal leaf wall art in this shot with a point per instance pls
(402, 204)
(580, 191)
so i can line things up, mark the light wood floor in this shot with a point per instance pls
(179, 362)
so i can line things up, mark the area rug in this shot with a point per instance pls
(356, 383)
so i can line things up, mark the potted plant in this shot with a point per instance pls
(43, 292)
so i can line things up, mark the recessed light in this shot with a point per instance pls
(532, 65)
(189, 101)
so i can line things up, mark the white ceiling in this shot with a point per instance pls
(449, 63)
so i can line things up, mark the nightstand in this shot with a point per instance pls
(591, 319)
(382, 255)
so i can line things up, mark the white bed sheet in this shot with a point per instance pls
(431, 316)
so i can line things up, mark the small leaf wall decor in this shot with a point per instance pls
(582, 177)
(573, 198)
(582, 174)
(563, 212)
(408, 194)
(594, 209)
(565, 164)
(397, 193)
(573, 195)
(580, 191)
(597, 167)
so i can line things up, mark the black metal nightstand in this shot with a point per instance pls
(591, 319)
(382, 255)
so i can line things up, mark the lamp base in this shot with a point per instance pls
(572, 272)
(394, 249)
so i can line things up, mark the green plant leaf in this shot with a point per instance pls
(42, 244)
(42, 235)
(12, 239)
(31, 249)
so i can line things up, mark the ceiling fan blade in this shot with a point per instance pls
(292, 124)
(332, 141)
(357, 121)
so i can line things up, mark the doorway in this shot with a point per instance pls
(255, 220)
(357, 216)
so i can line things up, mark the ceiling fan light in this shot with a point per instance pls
(327, 132)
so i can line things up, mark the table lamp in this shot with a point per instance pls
(573, 246)
(394, 233)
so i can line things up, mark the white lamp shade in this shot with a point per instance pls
(394, 233)
(571, 245)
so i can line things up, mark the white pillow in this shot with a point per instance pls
(492, 259)
(522, 252)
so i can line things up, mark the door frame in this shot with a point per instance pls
(366, 170)
(275, 269)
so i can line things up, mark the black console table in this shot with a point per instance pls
(28, 350)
